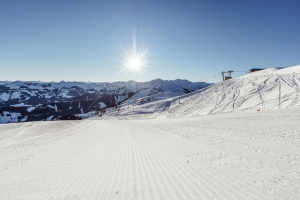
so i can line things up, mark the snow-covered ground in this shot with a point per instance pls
(263, 90)
(230, 156)
(238, 139)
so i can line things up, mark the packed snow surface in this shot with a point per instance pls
(231, 156)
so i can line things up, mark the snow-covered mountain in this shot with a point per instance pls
(29, 100)
(262, 90)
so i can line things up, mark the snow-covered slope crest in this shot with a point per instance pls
(263, 90)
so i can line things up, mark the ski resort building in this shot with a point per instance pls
(255, 70)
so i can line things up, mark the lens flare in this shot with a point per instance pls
(135, 59)
(134, 63)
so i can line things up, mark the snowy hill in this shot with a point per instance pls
(263, 90)
(31, 101)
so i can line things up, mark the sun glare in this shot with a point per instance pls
(134, 59)
(134, 63)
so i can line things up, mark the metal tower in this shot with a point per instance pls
(228, 76)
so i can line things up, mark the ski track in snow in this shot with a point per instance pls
(236, 156)
(255, 91)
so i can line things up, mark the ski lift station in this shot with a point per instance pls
(255, 70)
(227, 76)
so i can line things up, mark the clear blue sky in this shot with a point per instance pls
(85, 40)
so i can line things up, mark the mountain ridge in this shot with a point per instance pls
(41, 97)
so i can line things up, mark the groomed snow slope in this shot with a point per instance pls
(262, 90)
(235, 156)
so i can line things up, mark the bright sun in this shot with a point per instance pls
(134, 63)
(135, 59)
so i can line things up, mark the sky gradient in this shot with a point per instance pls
(87, 40)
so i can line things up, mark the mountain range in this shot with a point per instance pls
(22, 101)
